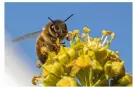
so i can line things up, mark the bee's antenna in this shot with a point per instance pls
(68, 17)
(50, 19)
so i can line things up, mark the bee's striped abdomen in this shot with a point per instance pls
(41, 56)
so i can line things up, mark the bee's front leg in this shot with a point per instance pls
(68, 36)
(59, 43)
(42, 52)
(38, 64)
(56, 48)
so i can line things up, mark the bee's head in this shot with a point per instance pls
(58, 28)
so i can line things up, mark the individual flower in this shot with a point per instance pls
(114, 69)
(83, 61)
(66, 81)
(126, 79)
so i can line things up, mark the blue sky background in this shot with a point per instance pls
(23, 18)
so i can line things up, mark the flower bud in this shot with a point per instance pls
(101, 55)
(52, 73)
(63, 50)
(107, 69)
(91, 54)
(83, 61)
(118, 68)
(125, 80)
(66, 81)
(72, 53)
(64, 59)
(66, 55)
(46, 70)
(130, 85)
(50, 80)
(96, 65)
(114, 69)
(57, 69)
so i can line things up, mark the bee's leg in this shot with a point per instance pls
(58, 43)
(41, 52)
(35, 79)
(68, 36)
(38, 64)
(44, 48)
(56, 48)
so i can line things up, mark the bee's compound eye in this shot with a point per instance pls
(65, 28)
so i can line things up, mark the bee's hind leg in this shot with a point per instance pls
(44, 48)
(42, 52)
(35, 79)
(68, 36)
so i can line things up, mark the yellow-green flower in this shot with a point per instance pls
(66, 81)
(114, 69)
(86, 30)
(126, 80)
(83, 61)
(87, 62)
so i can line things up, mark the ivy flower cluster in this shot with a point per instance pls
(87, 62)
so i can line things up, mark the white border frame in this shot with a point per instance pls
(2, 33)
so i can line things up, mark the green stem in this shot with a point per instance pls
(80, 76)
(91, 77)
(85, 76)
(101, 81)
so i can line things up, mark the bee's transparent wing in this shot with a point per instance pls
(27, 36)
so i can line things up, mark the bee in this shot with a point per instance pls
(55, 29)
